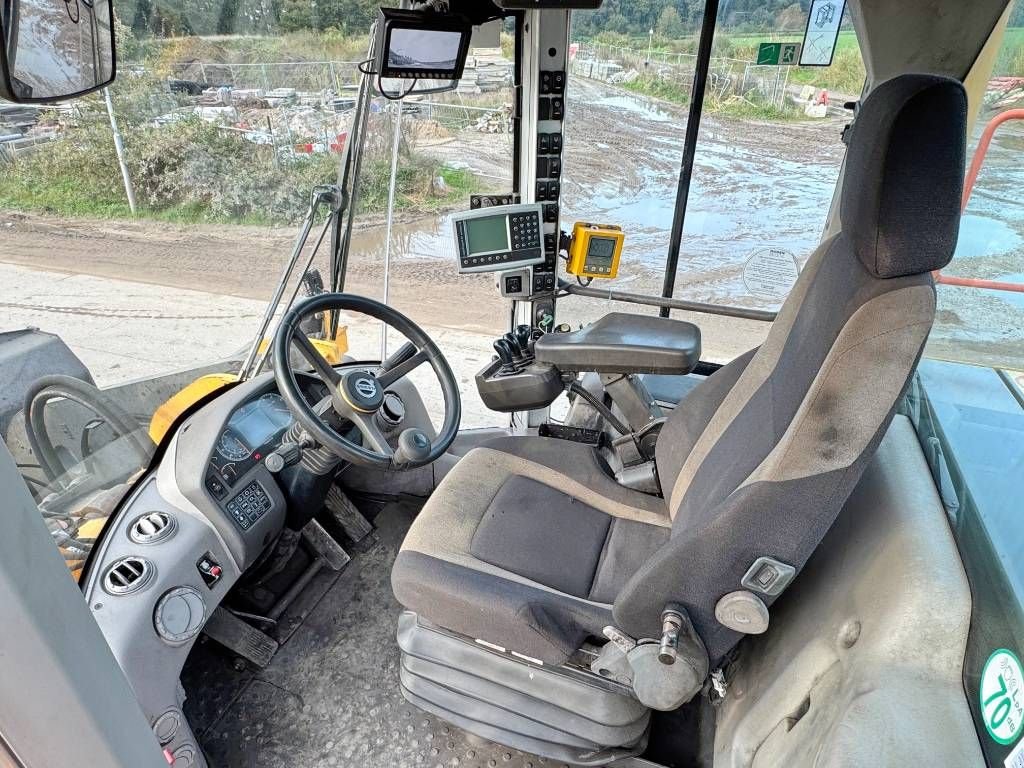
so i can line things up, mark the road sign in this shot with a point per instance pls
(768, 53)
(778, 54)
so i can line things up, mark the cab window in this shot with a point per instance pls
(768, 155)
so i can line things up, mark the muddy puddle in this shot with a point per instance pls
(623, 152)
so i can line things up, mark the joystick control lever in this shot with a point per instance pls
(523, 336)
(504, 351)
(513, 342)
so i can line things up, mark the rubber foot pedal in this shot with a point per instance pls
(325, 546)
(344, 512)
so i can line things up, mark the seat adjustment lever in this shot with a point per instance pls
(671, 623)
(620, 638)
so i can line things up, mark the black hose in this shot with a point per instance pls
(577, 389)
(69, 388)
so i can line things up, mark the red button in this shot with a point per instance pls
(216, 571)
(168, 757)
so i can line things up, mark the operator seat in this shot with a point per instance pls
(530, 545)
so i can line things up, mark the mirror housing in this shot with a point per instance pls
(52, 50)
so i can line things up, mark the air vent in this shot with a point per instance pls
(151, 528)
(128, 575)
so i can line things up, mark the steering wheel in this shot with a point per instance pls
(61, 387)
(357, 394)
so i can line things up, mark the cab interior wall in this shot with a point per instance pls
(942, 38)
(855, 671)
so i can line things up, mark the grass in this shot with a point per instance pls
(286, 47)
(187, 173)
(659, 89)
(731, 106)
(68, 198)
(416, 189)
(1011, 55)
(845, 75)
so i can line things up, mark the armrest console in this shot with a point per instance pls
(622, 343)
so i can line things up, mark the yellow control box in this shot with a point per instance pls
(595, 250)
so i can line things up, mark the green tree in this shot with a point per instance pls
(791, 18)
(670, 23)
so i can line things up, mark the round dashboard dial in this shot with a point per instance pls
(179, 615)
(232, 448)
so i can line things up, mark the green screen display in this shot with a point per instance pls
(487, 235)
(602, 249)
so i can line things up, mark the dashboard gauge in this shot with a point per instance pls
(274, 406)
(231, 448)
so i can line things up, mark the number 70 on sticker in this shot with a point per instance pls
(1000, 694)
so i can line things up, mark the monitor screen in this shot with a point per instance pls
(487, 235)
(430, 50)
(602, 250)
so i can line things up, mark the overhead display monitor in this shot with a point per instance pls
(422, 45)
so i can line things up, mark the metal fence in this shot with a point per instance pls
(726, 76)
(337, 76)
(460, 117)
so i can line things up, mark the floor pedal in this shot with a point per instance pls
(356, 526)
(241, 638)
(325, 546)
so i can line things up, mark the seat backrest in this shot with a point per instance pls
(759, 459)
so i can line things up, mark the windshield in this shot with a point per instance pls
(132, 276)
(768, 155)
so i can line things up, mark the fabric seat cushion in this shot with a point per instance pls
(521, 545)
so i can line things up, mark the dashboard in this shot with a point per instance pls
(182, 539)
(253, 431)
(188, 531)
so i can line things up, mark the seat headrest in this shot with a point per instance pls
(905, 175)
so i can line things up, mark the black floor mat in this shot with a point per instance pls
(330, 696)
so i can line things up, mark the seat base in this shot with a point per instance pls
(559, 713)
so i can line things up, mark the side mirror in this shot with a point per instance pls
(55, 49)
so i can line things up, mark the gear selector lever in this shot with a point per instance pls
(523, 336)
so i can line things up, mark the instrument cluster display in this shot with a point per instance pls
(254, 430)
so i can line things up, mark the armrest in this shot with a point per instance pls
(623, 343)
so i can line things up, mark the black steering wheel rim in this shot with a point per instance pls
(289, 332)
(89, 397)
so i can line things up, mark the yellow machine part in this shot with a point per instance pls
(595, 250)
(333, 351)
(91, 529)
(169, 412)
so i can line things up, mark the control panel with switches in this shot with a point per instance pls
(499, 238)
(548, 192)
(249, 505)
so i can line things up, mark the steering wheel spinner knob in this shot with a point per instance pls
(413, 446)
